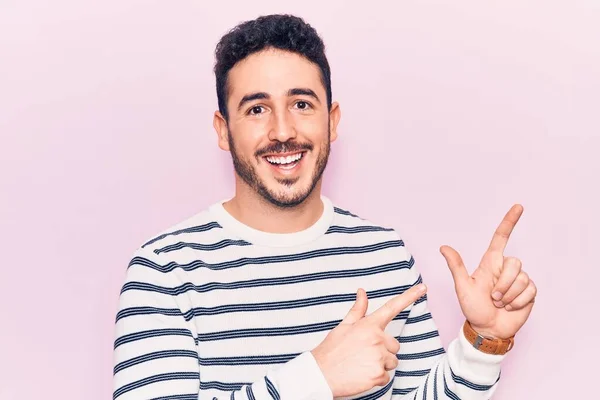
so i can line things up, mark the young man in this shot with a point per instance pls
(278, 294)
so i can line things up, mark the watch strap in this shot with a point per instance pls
(487, 345)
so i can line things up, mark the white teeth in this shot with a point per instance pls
(285, 160)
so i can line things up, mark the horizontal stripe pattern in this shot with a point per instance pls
(416, 338)
(281, 305)
(154, 356)
(470, 385)
(266, 260)
(357, 229)
(341, 211)
(251, 309)
(194, 229)
(416, 373)
(172, 376)
(189, 396)
(202, 247)
(151, 334)
(402, 392)
(278, 331)
(378, 393)
(423, 354)
(223, 386)
(287, 280)
(248, 360)
(129, 312)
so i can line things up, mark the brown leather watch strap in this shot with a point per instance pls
(487, 345)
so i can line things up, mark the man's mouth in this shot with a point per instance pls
(285, 161)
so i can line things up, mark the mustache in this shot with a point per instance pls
(284, 147)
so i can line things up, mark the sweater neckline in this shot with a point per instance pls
(262, 238)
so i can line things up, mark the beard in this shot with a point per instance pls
(247, 172)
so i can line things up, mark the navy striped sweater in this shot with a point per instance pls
(213, 309)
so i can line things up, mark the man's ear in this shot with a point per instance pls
(334, 119)
(220, 125)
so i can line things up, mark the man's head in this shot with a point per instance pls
(275, 113)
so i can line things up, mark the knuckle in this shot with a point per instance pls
(518, 263)
(533, 288)
(384, 379)
(523, 277)
(508, 298)
(377, 374)
(514, 263)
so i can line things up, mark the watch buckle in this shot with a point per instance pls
(478, 341)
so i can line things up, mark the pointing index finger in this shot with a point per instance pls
(387, 312)
(500, 238)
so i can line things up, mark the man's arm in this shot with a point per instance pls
(426, 370)
(496, 299)
(155, 352)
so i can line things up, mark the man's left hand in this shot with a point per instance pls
(498, 297)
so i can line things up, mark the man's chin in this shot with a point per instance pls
(287, 198)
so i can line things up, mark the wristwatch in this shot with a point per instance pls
(487, 345)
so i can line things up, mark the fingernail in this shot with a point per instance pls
(420, 288)
(499, 304)
(508, 307)
(497, 295)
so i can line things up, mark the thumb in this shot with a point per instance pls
(359, 309)
(455, 263)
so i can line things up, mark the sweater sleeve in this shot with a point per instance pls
(155, 350)
(426, 370)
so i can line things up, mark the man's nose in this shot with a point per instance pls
(283, 128)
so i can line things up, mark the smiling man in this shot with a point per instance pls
(277, 293)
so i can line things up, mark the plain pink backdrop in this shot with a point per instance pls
(452, 112)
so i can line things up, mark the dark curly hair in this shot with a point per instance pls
(280, 31)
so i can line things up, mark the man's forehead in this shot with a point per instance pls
(274, 72)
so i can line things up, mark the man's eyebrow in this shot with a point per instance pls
(303, 92)
(253, 96)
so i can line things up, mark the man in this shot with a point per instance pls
(278, 294)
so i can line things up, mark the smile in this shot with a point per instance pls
(285, 162)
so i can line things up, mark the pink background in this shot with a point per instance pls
(451, 113)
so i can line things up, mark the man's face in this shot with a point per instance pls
(279, 129)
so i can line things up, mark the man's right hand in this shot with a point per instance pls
(357, 354)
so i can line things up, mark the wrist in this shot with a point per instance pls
(487, 344)
(302, 379)
(486, 333)
(320, 361)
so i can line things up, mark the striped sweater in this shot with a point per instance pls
(213, 309)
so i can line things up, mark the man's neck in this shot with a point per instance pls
(251, 209)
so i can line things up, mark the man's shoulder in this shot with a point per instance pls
(347, 221)
(358, 229)
(348, 218)
(198, 227)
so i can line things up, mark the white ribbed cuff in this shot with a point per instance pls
(302, 379)
(471, 364)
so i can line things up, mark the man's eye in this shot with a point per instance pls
(256, 110)
(303, 105)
